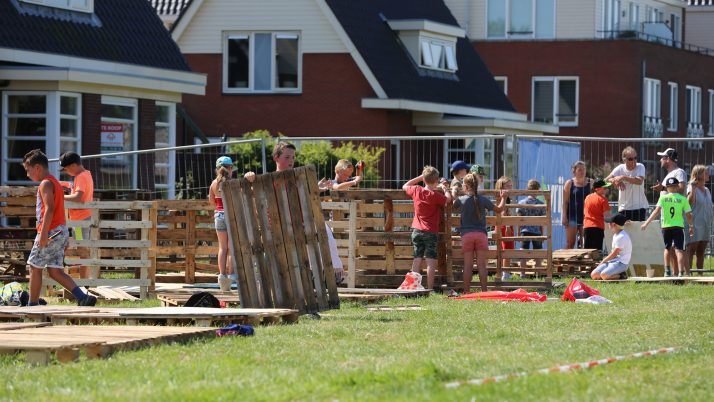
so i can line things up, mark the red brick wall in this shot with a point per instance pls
(329, 105)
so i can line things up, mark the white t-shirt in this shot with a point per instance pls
(633, 196)
(622, 241)
(679, 173)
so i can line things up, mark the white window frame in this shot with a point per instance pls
(534, 22)
(634, 16)
(711, 113)
(134, 103)
(694, 94)
(481, 149)
(556, 94)
(52, 136)
(652, 98)
(611, 17)
(504, 79)
(85, 6)
(251, 63)
(673, 106)
(426, 55)
(171, 125)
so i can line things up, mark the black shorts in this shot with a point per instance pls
(635, 214)
(594, 238)
(673, 237)
(526, 244)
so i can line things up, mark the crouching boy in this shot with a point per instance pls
(52, 234)
(425, 226)
(619, 258)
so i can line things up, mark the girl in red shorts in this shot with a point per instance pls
(505, 183)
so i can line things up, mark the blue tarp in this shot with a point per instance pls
(549, 162)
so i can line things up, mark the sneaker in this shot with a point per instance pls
(667, 271)
(88, 301)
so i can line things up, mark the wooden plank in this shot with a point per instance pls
(190, 259)
(402, 264)
(112, 263)
(389, 244)
(525, 220)
(352, 245)
(115, 243)
(357, 194)
(336, 206)
(274, 257)
(104, 205)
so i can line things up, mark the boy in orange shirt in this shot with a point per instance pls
(81, 190)
(596, 208)
(52, 234)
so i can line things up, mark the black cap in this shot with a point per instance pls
(672, 181)
(601, 183)
(618, 219)
(671, 153)
(69, 158)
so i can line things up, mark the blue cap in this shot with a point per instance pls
(458, 165)
(224, 161)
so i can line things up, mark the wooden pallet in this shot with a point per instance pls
(40, 313)
(575, 261)
(406, 307)
(111, 293)
(66, 342)
(672, 280)
(364, 295)
(199, 316)
(4, 326)
(180, 299)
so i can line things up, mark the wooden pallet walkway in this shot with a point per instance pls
(66, 342)
(39, 313)
(672, 280)
(406, 307)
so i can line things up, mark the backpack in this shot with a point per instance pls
(203, 299)
(12, 294)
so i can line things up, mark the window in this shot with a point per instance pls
(86, 6)
(438, 54)
(502, 83)
(472, 150)
(555, 101)
(118, 134)
(634, 14)
(520, 19)
(261, 62)
(673, 106)
(50, 121)
(612, 17)
(651, 108)
(693, 105)
(164, 162)
(711, 112)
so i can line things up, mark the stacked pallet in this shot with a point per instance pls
(575, 261)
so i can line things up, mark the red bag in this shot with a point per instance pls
(516, 295)
(578, 290)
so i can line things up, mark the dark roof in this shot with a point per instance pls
(123, 31)
(364, 21)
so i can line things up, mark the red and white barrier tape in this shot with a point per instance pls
(560, 369)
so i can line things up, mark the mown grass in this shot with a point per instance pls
(353, 354)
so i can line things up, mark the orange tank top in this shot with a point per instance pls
(58, 216)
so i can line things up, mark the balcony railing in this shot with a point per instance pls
(626, 33)
(695, 130)
(652, 127)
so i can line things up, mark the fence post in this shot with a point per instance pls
(262, 152)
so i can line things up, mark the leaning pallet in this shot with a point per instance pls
(279, 242)
(66, 342)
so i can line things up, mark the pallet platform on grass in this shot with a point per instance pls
(180, 299)
(680, 280)
(406, 307)
(4, 326)
(199, 316)
(40, 313)
(364, 295)
(111, 293)
(66, 342)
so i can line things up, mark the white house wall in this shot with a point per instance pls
(204, 32)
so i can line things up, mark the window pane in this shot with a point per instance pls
(450, 58)
(437, 56)
(68, 146)
(238, 62)
(286, 61)
(26, 127)
(426, 59)
(68, 128)
(118, 111)
(18, 148)
(26, 104)
(545, 19)
(567, 101)
(502, 85)
(496, 18)
(543, 101)
(688, 105)
(263, 61)
(116, 170)
(68, 105)
(162, 114)
(521, 15)
(161, 174)
(15, 171)
(162, 136)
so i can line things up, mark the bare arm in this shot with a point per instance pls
(566, 201)
(692, 197)
(212, 193)
(502, 203)
(413, 182)
(47, 193)
(347, 184)
(76, 197)
(615, 253)
(652, 216)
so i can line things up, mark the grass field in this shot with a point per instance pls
(353, 354)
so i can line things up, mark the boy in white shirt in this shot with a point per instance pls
(619, 258)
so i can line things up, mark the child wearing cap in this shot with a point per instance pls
(619, 258)
(479, 172)
(458, 171)
(81, 191)
(673, 205)
(595, 209)
(224, 169)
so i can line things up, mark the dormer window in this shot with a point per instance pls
(431, 44)
(84, 6)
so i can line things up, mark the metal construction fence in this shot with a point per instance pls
(186, 172)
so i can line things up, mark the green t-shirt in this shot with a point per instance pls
(674, 205)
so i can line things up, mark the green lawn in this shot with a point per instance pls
(353, 354)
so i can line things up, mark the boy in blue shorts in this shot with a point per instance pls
(621, 251)
(52, 233)
(672, 206)
(427, 219)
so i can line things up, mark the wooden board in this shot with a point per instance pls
(111, 293)
(180, 299)
(66, 342)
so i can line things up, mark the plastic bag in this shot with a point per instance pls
(594, 300)
(412, 281)
(578, 290)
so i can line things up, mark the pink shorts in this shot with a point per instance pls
(474, 241)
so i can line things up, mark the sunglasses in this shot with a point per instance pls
(630, 159)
